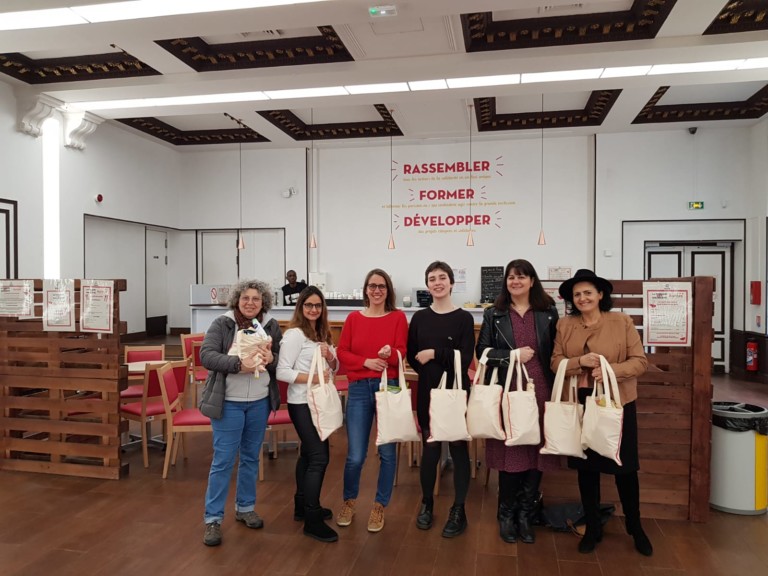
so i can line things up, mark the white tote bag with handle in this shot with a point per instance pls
(484, 404)
(394, 411)
(323, 399)
(521, 413)
(604, 416)
(562, 420)
(448, 408)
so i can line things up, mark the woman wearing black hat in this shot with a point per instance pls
(592, 330)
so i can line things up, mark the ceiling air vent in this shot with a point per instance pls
(569, 8)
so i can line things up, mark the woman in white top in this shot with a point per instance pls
(307, 331)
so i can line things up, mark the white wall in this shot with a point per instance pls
(354, 216)
(210, 194)
(756, 226)
(21, 167)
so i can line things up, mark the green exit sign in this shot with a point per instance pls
(695, 205)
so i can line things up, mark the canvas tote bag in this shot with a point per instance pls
(323, 399)
(521, 413)
(562, 420)
(484, 404)
(394, 411)
(604, 416)
(448, 408)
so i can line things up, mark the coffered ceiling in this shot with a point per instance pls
(338, 45)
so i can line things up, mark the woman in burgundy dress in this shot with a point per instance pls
(523, 317)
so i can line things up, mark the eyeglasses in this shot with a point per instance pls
(248, 299)
(379, 287)
(310, 306)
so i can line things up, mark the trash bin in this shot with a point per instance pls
(739, 458)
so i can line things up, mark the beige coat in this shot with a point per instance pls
(614, 336)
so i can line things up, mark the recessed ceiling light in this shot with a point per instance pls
(377, 88)
(752, 63)
(625, 71)
(39, 19)
(500, 80)
(382, 11)
(717, 66)
(168, 101)
(440, 84)
(561, 76)
(306, 92)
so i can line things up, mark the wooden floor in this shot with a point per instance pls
(145, 525)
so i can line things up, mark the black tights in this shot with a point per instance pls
(461, 468)
(313, 456)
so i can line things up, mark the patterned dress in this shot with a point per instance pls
(522, 458)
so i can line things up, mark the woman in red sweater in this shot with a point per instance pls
(368, 344)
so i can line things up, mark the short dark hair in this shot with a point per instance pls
(321, 332)
(537, 297)
(439, 265)
(389, 303)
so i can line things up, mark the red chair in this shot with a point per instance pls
(196, 372)
(139, 354)
(341, 382)
(178, 419)
(149, 409)
(278, 421)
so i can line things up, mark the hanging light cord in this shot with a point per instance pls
(469, 113)
(240, 170)
(391, 227)
(541, 209)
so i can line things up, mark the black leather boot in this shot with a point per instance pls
(424, 518)
(529, 493)
(315, 527)
(628, 487)
(589, 488)
(298, 509)
(457, 521)
(507, 523)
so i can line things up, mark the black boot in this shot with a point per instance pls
(629, 494)
(424, 519)
(589, 488)
(457, 521)
(315, 527)
(298, 509)
(507, 523)
(529, 494)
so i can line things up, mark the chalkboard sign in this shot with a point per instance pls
(491, 281)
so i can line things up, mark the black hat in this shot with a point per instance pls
(584, 275)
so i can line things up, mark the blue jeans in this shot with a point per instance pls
(361, 407)
(240, 430)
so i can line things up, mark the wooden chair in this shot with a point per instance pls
(197, 373)
(148, 409)
(279, 421)
(186, 349)
(341, 382)
(178, 419)
(139, 354)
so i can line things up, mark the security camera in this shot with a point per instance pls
(692, 130)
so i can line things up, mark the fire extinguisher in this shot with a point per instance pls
(752, 362)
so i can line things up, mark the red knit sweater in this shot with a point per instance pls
(362, 337)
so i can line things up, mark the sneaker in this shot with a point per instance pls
(345, 514)
(212, 535)
(376, 519)
(250, 519)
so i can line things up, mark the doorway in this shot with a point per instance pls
(156, 256)
(675, 260)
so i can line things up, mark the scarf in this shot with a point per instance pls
(242, 321)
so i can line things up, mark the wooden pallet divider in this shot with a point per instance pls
(60, 395)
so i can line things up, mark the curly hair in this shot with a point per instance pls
(262, 288)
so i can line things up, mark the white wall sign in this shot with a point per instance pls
(59, 305)
(16, 297)
(96, 305)
(667, 313)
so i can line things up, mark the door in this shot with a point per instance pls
(682, 260)
(156, 282)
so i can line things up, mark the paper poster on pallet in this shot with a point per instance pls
(667, 313)
(16, 297)
(96, 304)
(59, 305)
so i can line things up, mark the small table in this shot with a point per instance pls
(136, 369)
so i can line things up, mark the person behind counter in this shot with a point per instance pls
(307, 331)
(238, 403)
(523, 317)
(368, 345)
(589, 331)
(292, 290)
(433, 336)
